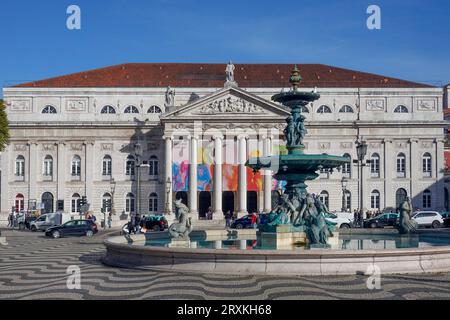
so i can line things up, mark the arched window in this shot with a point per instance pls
(76, 166)
(154, 109)
(106, 202)
(347, 167)
(401, 165)
(49, 109)
(347, 199)
(153, 203)
(426, 199)
(107, 165)
(130, 166)
(48, 166)
(108, 110)
(400, 196)
(129, 203)
(375, 165)
(324, 197)
(426, 165)
(324, 109)
(153, 166)
(131, 109)
(401, 109)
(304, 109)
(375, 199)
(346, 109)
(20, 166)
(19, 203)
(75, 203)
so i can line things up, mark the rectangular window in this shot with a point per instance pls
(375, 201)
(107, 168)
(401, 167)
(20, 168)
(375, 167)
(426, 201)
(153, 205)
(426, 167)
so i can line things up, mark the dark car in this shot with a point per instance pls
(73, 228)
(154, 222)
(246, 221)
(446, 218)
(382, 220)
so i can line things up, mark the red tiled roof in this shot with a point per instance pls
(213, 75)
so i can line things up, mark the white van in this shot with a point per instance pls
(48, 220)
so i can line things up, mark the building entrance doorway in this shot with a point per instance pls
(228, 201)
(204, 203)
(183, 196)
(252, 201)
(47, 201)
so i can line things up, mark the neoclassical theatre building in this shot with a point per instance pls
(134, 137)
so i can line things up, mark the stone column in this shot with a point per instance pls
(218, 213)
(242, 176)
(61, 173)
(388, 162)
(438, 200)
(168, 198)
(89, 164)
(267, 151)
(414, 170)
(33, 171)
(193, 161)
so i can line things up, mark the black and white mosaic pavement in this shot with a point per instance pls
(34, 267)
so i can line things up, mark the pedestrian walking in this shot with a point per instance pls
(10, 220)
(109, 220)
(355, 217)
(254, 220)
(228, 219)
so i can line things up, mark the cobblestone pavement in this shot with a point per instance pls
(34, 267)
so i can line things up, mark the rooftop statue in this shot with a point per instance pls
(183, 228)
(170, 97)
(230, 72)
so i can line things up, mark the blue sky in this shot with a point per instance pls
(413, 43)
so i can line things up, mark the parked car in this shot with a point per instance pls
(382, 220)
(154, 222)
(343, 220)
(428, 219)
(48, 220)
(73, 228)
(446, 217)
(246, 221)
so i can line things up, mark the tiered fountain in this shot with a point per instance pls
(305, 212)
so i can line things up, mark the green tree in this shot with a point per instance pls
(4, 128)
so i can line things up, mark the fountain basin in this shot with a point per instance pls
(431, 255)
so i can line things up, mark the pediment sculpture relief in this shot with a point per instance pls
(230, 105)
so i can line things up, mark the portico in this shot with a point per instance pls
(208, 143)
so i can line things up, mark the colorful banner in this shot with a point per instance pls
(230, 177)
(254, 180)
(205, 174)
(180, 176)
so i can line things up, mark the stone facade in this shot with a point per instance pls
(233, 116)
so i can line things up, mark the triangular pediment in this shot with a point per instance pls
(228, 103)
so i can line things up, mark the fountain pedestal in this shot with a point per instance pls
(280, 237)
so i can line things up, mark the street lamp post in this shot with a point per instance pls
(361, 151)
(168, 188)
(344, 190)
(138, 153)
(112, 184)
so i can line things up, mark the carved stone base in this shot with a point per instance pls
(180, 243)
